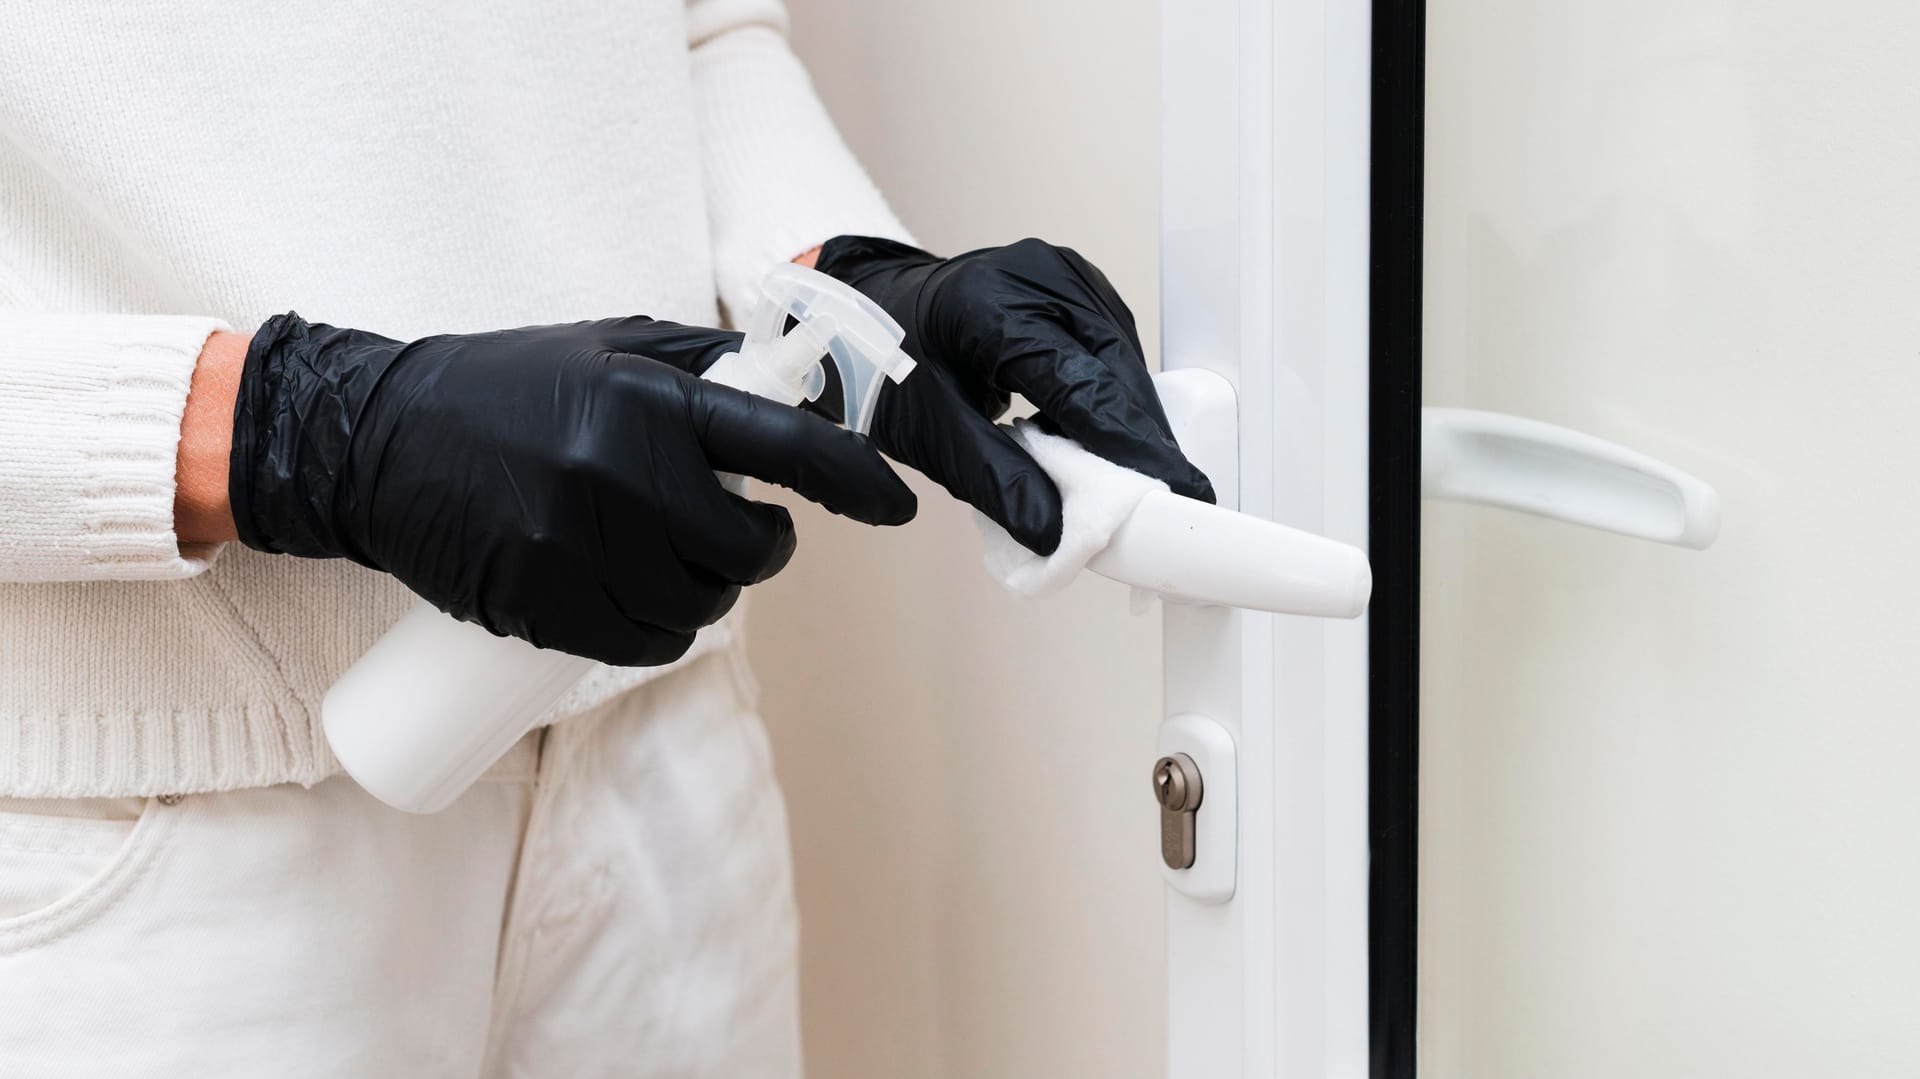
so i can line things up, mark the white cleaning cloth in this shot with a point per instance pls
(1096, 498)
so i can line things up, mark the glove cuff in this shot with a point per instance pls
(853, 259)
(293, 427)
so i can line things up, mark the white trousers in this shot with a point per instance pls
(615, 899)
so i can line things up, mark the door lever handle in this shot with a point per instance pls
(1519, 464)
(1202, 553)
(1190, 550)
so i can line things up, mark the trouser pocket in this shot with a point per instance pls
(53, 851)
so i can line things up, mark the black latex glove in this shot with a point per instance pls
(1029, 318)
(555, 483)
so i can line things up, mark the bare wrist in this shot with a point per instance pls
(201, 512)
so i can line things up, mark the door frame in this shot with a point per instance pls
(1291, 150)
(1265, 274)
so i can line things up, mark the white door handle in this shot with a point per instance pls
(1519, 464)
(1187, 549)
(1190, 550)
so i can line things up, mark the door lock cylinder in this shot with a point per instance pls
(1178, 788)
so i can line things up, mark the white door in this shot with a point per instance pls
(1669, 822)
(1588, 278)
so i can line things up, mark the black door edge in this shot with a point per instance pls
(1393, 720)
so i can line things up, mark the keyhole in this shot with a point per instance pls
(1176, 785)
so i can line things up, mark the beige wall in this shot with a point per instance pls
(967, 772)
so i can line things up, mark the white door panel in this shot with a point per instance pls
(1668, 819)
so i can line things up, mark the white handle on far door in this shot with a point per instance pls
(1519, 464)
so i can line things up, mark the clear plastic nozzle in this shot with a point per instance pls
(862, 340)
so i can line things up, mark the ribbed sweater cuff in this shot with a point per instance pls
(779, 179)
(90, 409)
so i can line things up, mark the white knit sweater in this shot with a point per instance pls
(410, 169)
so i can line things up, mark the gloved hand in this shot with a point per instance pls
(555, 483)
(1029, 318)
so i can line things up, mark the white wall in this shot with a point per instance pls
(967, 773)
(1670, 824)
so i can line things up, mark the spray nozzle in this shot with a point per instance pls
(832, 317)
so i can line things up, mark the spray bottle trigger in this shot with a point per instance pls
(815, 382)
(861, 381)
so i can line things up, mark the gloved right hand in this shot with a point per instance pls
(555, 483)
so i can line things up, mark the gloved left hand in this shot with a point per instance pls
(1029, 318)
(552, 483)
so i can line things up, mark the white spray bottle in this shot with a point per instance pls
(436, 701)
